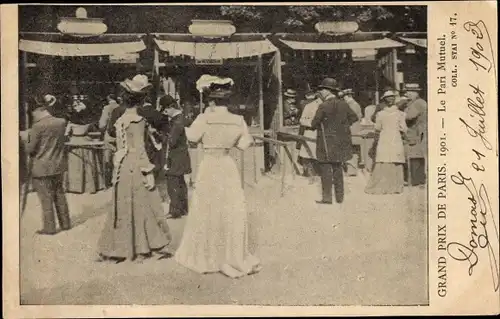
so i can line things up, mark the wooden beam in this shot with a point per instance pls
(193, 64)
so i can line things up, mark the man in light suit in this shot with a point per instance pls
(333, 122)
(45, 143)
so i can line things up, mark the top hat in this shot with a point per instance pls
(388, 94)
(138, 85)
(290, 93)
(329, 83)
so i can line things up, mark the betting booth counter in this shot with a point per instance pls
(349, 58)
(253, 63)
(413, 57)
(84, 69)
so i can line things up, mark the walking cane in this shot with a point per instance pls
(324, 140)
(26, 185)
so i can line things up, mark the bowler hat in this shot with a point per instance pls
(46, 100)
(168, 101)
(329, 83)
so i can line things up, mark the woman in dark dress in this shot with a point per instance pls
(136, 227)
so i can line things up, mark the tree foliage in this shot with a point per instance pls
(131, 19)
(303, 18)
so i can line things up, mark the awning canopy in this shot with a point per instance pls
(416, 41)
(330, 46)
(59, 45)
(233, 48)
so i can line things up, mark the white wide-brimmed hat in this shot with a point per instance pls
(138, 85)
(388, 94)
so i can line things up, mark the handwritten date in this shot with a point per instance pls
(481, 222)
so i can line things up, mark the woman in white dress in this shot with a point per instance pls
(215, 237)
(308, 160)
(387, 176)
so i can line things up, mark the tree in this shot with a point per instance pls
(303, 18)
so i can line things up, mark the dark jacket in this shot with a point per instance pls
(178, 160)
(416, 120)
(333, 122)
(46, 145)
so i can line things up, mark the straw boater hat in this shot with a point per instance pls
(290, 93)
(330, 84)
(388, 94)
(348, 92)
(310, 96)
(138, 85)
(415, 87)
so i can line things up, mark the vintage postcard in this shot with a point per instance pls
(250, 159)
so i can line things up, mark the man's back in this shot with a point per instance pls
(46, 146)
(337, 116)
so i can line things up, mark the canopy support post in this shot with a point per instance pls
(395, 68)
(156, 77)
(279, 109)
(280, 93)
(261, 94)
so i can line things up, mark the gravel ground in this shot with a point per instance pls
(372, 250)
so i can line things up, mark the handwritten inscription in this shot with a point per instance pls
(479, 237)
(483, 235)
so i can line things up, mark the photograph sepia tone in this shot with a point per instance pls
(252, 155)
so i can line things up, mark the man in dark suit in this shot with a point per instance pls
(45, 143)
(333, 122)
(178, 162)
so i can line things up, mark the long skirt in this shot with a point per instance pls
(85, 171)
(215, 237)
(136, 224)
(386, 178)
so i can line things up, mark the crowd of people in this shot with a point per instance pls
(148, 149)
(333, 118)
(146, 158)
